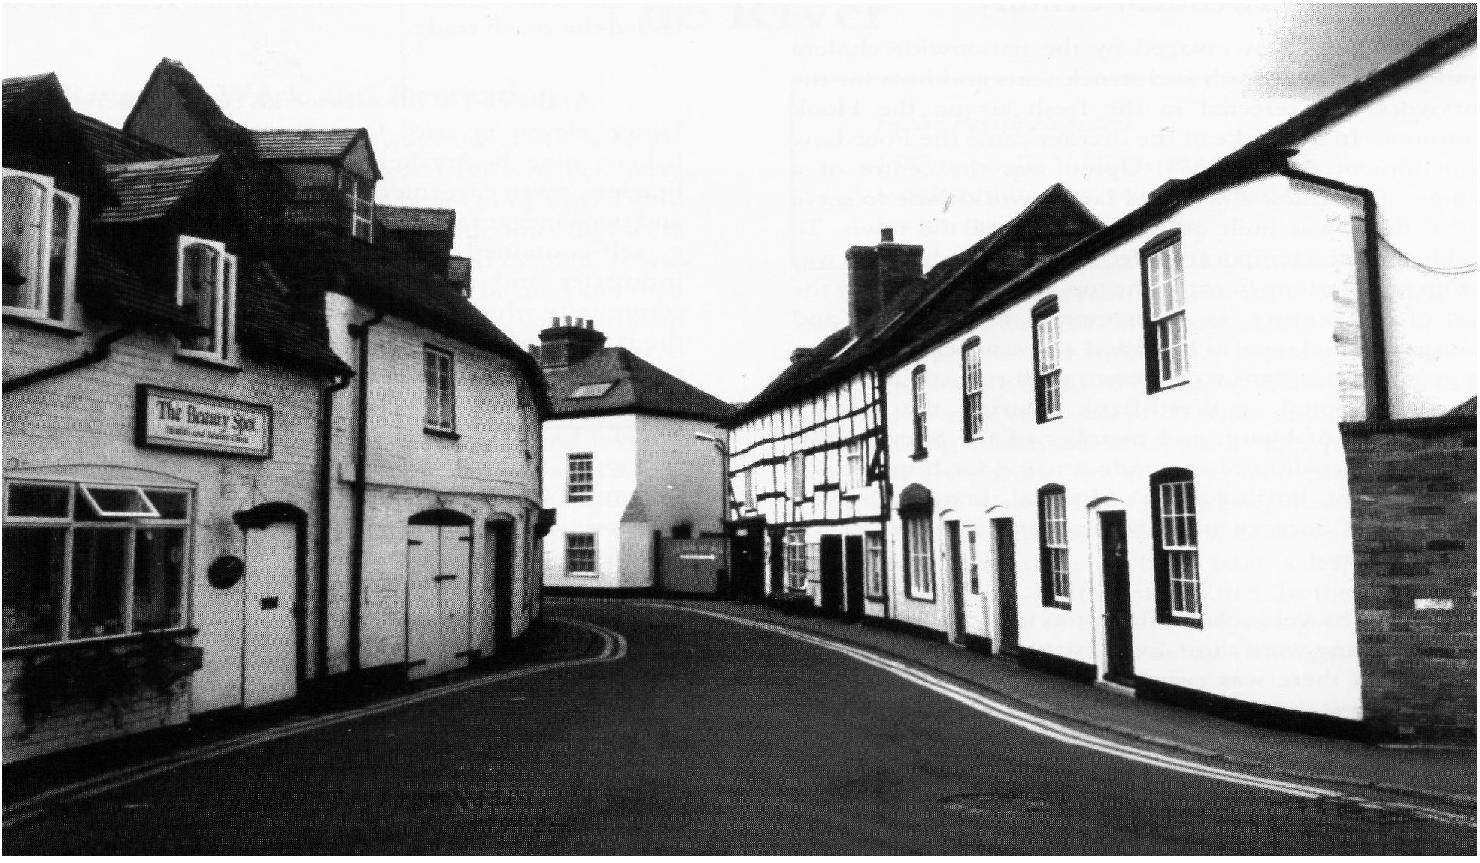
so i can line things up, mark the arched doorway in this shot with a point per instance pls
(439, 559)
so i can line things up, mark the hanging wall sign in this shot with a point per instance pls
(175, 419)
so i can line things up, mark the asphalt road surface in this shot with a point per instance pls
(706, 738)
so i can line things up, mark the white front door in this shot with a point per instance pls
(437, 577)
(270, 640)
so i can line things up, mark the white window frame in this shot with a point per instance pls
(971, 390)
(1178, 514)
(439, 370)
(917, 529)
(39, 307)
(1049, 364)
(131, 523)
(580, 477)
(595, 570)
(1053, 510)
(919, 404)
(223, 318)
(1166, 305)
(873, 563)
(352, 185)
(796, 559)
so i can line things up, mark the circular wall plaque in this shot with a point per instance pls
(225, 571)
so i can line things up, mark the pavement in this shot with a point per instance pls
(1442, 775)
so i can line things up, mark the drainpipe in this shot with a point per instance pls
(326, 456)
(99, 352)
(357, 557)
(1378, 401)
(886, 484)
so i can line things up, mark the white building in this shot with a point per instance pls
(627, 464)
(1209, 452)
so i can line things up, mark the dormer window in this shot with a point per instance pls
(206, 289)
(40, 251)
(359, 201)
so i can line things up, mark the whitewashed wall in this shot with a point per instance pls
(612, 440)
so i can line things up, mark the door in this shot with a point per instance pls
(853, 577)
(1119, 667)
(1006, 565)
(747, 559)
(830, 562)
(499, 536)
(270, 621)
(438, 560)
(958, 595)
(778, 562)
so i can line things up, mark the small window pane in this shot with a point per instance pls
(35, 566)
(159, 558)
(39, 501)
(23, 209)
(61, 238)
(111, 502)
(99, 563)
(170, 504)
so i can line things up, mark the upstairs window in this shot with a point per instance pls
(1174, 543)
(798, 476)
(917, 384)
(441, 397)
(40, 247)
(359, 202)
(853, 468)
(206, 290)
(580, 484)
(971, 389)
(1053, 546)
(1164, 304)
(748, 484)
(1047, 369)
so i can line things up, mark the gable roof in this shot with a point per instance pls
(293, 145)
(940, 295)
(112, 145)
(1268, 153)
(415, 218)
(197, 103)
(149, 190)
(637, 386)
(43, 136)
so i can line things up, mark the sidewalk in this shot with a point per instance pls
(1429, 774)
(545, 642)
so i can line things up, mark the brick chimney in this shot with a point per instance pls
(875, 275)
(569, 343)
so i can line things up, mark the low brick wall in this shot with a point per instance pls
(1413, 526)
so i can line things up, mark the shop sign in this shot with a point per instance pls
(175, 419)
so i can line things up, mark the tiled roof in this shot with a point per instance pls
(20, 92)
(112, 145)
(275, 325)
(198, 102)
(303, 143)
(148, 190)
(42, 135)
(415, 218)
(111, 290)
(637, 386)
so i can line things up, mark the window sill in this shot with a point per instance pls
(1045, 420)
(442, 433)
(581, 575)
(95, 641)
(973, 439)
(578, 500)
(1161, 388)
(917, 598)
(1062, 604)
(46, 325)
(207, 361)
(1188, 622)
(919, 454)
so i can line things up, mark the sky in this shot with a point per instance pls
(689, 177)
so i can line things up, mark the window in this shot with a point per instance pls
(853, 474)
(969, 534)
(917, 382)
(919, 558)
(359, 201)
(40, 246)
(873, 563)
(592, 391)
(1164, 303)
(1046, 360)
(580, 483)
(749, 484)
(85, 561)
(441, 394)
(971, 389)
(798, 476)
(206, 289)
(580, 554)
(796, 559)
(1053, 545)
(1174, 543)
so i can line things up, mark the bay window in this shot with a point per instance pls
(40, 247)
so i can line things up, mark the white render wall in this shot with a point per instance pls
(1257, 424)
(1415, 149)
(678, 475)
(612, 441)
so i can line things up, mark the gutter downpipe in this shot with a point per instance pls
(357, 557)
(886, 489)
(96, 354)
(1379, 406)
(326, 456)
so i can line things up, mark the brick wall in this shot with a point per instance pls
(1413, 526)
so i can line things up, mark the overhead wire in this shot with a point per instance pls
(1443, 271)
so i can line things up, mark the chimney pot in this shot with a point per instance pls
(886, 235)
(567, 320)
(580, 322)
(555, 321)
(590, 324)
(569, 343)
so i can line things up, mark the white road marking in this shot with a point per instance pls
(1073, 736)
(614, 647)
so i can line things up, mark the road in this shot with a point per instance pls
(705, 737)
